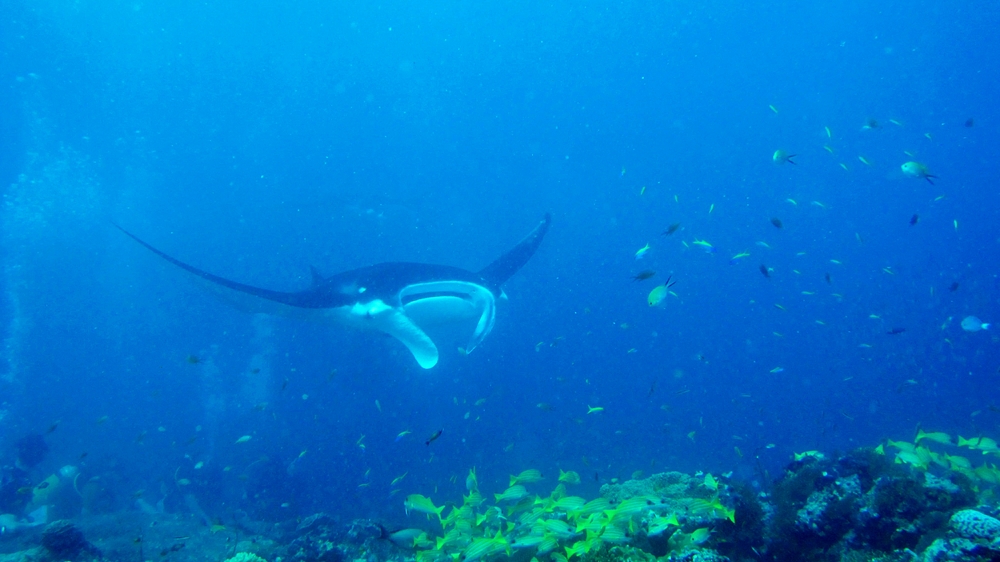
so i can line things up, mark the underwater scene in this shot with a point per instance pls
(458, 281)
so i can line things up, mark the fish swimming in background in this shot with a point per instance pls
(409, 301)
(917, 170)
(914, 219)
(659, 293)
(780, 157)
(738, 258)
(974, 324)
(671, 229)
(705, 245)
(434, 437)
(643, 275)
(641, 253)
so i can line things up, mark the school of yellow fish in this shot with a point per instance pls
(559, 526)
(919, 454)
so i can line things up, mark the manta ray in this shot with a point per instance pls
(415, 303)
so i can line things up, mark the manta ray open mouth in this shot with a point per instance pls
(409, 301)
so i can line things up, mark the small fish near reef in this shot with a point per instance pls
(780, 157)
(917, 170)
(765, 271)
(974, 324)
(660, 292)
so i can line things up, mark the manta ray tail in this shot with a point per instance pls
(502, 268)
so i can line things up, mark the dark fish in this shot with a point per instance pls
(953, 287)
(914, 219)
(672, 229)
(777, 222)
(969, 122)
(896, 331)
(434, 437)
(53, 427)
(83, 455)
(765, 271)
(284, 384)
(254, 371)
(173, 548)
(140, 437)
(829, 280)
(43, 485)
(193, 359)
(872, 123)
(643, 275)
(652, 389)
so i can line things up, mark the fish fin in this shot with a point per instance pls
(259, 296)
(399, 326)
(316, 277)
(502, 268)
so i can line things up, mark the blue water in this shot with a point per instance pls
(254, 139)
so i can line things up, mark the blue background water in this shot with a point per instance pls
(254, 139)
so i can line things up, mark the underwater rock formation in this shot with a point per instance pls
(862, 502)
(321, 538)
(64, 541)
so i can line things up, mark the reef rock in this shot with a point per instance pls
(665, 485)
(64, 541)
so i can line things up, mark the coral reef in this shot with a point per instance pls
(666, 485)
(971, 524)
(245, 557)
(918, 505)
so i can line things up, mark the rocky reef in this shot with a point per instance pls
(912, 506)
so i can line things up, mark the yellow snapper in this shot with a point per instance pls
(513, 493)
(422, 504)
(569, 477)
(529, 476)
